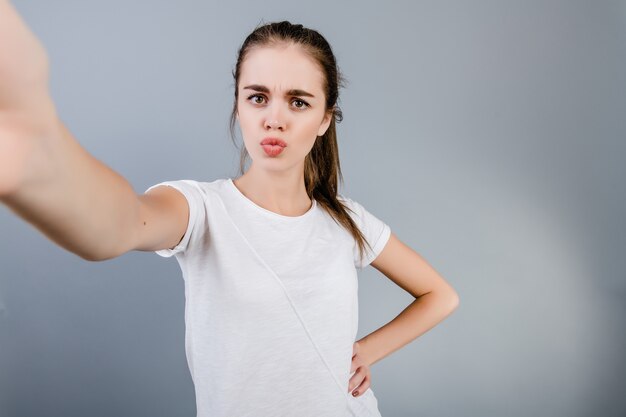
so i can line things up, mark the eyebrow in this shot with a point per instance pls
(292, 92)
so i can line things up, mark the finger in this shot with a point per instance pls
(356, 379)
(356, 362)
(365, 384)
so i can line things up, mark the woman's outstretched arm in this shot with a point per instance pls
(51, 181)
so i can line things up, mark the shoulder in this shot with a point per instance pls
(192, 186)
(346, 200)
(361, 215)
(353, 206)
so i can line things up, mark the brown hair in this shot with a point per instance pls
(321, 166)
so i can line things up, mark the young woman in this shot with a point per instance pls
(269, 259)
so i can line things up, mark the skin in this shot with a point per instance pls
(276, 183)
(361, 380)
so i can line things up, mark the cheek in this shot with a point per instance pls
(311, 128)
(245, 121)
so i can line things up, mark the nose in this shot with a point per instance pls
(274, 124)
(274, 117)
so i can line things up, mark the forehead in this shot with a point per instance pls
(281, 67)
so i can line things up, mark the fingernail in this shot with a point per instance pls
(355, 393)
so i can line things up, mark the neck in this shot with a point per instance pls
(281, 192)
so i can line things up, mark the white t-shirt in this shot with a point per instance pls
(271, 308)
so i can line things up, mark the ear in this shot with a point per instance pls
(325, 123)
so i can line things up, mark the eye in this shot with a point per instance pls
(254, 98)
(300, 104)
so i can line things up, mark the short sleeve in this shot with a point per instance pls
(376, 232)
(195, 199)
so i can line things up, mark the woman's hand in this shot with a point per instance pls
(27, 112)
(24, 67)
(362, 377)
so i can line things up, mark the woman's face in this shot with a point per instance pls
(281, 96)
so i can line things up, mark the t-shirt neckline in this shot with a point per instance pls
(270, 213)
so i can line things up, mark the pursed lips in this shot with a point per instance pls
(274, 141)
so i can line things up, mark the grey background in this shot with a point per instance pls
(489, 135)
